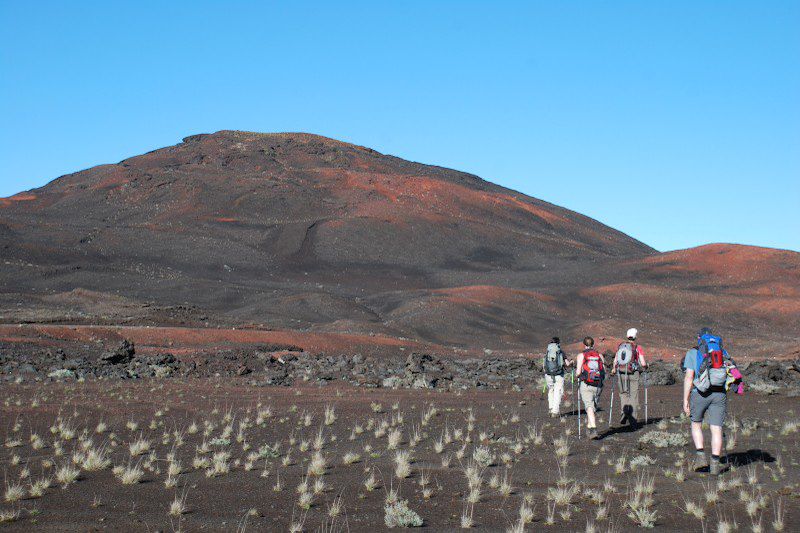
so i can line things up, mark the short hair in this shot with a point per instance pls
(556, 340)
(704, 331)
(588, 342)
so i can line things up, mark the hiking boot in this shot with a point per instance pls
(715, 468)
(592, 433)
(700, 462)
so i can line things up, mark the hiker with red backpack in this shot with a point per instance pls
(709, 373)
(629, 363)
(590, 370)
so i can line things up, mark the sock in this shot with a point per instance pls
(715, 457)
(700, 451)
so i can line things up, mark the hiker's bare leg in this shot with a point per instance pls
(716, 439)
(590, 416)
(697, 434)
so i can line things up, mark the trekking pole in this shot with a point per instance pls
(578, 403)
(645, 397)
(611, 408)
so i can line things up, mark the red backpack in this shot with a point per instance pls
(592, 371)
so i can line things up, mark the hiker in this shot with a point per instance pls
(555, 361)
(704, 395)
(590, 370)
(628, 365)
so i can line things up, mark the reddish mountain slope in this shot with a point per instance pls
(296, 231)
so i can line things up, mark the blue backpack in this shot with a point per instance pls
(709, 343)
(711, 363)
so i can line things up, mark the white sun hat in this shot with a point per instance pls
(632, 333)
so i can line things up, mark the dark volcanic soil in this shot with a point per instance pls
(48, 426)
(296, 232)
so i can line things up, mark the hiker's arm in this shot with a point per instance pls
(578, 365)
(687, 389)
(642, 361)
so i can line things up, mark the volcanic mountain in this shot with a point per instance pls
(305, 233)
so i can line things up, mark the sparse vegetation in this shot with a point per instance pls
(482, 458)
(398, 514)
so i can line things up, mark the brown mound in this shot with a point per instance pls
(296, 232)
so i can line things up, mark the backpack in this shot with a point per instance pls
(712, 363)
(554, 360)
(592, 372)
(709, 343)
(627, 358)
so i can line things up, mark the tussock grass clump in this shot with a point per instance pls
(305, 500)
(371, 483)
(466, 517)
(95, 459)
(691, 508)
(350, 458)
(335, 508)
(219, 464)
(140, 446)
(526, 512)
(14, 493)
(178, 505)
(779, 523)
(129, 475)
(330, 415)
(640, 502)
(66, 475)
(563, 493)
(402, 462)
(483, 455)
(393, 439)
(664, 439)
(7, 516)
(398, 514)
(641, 460)
(39, 487)
(561, 447)
(269, 452)
(317, 465)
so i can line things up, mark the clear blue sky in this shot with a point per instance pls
(675, 122)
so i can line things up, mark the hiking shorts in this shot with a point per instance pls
(712, 405)
(589, 395)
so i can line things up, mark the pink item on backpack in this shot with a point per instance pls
(734, 373)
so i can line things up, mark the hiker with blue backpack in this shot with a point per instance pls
(555, 362)
(710, 371)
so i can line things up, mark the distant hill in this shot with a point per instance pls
(301, 232)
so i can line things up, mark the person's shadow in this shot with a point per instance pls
(628, 428)
(750, 456)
